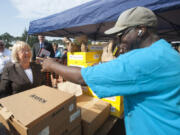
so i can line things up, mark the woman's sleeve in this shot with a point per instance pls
(43, 78)
(5, 84)
(42, 75)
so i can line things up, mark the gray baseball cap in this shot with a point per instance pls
(134, 17)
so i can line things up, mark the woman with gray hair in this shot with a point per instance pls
(21, 74)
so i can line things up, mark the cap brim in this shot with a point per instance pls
(114, 30)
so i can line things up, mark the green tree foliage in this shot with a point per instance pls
(24, 35)
(8, 39)
(30, 39)
(59, 41)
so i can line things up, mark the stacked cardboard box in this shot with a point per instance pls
(117, 106)
(94, 113)
(40, 111)
(85, 59)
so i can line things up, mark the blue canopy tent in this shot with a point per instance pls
(94, 17)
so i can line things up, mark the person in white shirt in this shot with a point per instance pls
(5, 56)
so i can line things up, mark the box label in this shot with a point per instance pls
(37, 98)
(75, 115)
(76, 57)
(71, 107)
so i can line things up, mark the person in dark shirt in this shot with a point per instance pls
(41, 44)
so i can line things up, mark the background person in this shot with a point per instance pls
(71, 46)
(5, 56)
(35, 53)
(54, 77)
(42, 44)
(21, 74)
(82, 41)
(56, 51)
(148, 75)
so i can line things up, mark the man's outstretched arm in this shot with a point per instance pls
(72, 74)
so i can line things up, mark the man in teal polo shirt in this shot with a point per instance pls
(148, 75)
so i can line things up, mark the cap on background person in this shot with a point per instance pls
(134, 17)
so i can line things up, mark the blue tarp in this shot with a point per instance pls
(94, 17)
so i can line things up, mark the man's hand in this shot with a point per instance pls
(39, 60)
(46, 64)
(107, 54)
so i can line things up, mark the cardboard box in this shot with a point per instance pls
(94, 112)
(117, 106)
(72, 124)
(39, 111)
(83, 57)
(75, 131)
